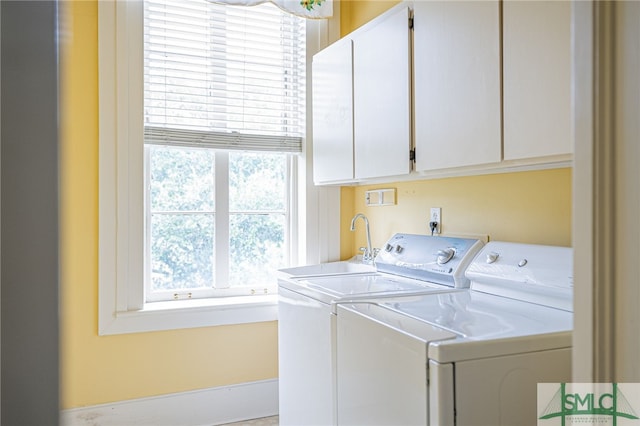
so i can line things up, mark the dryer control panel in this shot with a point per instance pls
(529, 272)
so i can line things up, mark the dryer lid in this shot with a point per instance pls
(485, 325)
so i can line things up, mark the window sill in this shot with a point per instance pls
(193, 313)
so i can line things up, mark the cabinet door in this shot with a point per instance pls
(537, 78)
(457, 83)
(382, 101)
(332, 75)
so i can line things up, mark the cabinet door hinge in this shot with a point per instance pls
(410, 22)
(412, 155)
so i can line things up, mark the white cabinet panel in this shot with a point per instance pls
(537, 78)
(382, 97)
(333, 113)
(456, 83)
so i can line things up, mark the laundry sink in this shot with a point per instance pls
(331, 268)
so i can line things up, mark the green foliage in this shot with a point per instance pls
(257, 182)
(182, 251)
(181, 179)
(183, 217)
(256, 248)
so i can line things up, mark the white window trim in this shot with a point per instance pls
(121, 308)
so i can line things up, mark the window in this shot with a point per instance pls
(219, 80)
(206, 238)
(147, 124)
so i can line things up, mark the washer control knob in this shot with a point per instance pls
(388, 247)
(522, 263)
(492, 257)
(445, 255)
(399, 249)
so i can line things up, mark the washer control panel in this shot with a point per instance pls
(429, 258)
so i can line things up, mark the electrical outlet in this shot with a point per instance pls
(435, 217)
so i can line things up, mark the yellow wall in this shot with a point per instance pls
(355, 13)
(532, 207)
(97, 369)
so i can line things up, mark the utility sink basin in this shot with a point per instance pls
(323, 269)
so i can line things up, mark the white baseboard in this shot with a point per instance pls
(206, 407)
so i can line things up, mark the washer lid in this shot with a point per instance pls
(486, 325)
(349, 286)
(326, 269)
(404, 324)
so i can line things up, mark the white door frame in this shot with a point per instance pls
(606, 231)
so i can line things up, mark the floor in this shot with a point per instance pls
(264, 421)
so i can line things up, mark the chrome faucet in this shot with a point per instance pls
(368, 253)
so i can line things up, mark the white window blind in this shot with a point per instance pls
(221, 76)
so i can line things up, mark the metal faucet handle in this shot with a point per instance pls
(367, 256)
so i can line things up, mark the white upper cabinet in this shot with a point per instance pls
(456, 84)
(490, 89)
(537, 79)
(382, 96)
(333, 113)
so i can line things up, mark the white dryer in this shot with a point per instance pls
(407, 264)
(461, 358)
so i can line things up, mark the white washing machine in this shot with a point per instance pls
(408, 264)
(472, 357)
